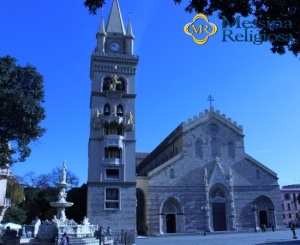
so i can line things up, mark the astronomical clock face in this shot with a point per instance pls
(114, 47)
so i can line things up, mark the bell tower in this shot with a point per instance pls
(111, 183)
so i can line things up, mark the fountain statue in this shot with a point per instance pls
(61, 204)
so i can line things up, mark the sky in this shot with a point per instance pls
(175, 76)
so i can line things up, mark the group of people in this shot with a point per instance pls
(264, 228)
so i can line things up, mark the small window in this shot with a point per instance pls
(257, 174)
(294, 197)
(287, 196)
(112, 152)
(290, 215)
(107, 110)
(112, 173)
(112, 198)
(289, 206)
(214, 147)
(120, 111)
(198, 149)
(283, 216)
(231, 151)
(172, 173)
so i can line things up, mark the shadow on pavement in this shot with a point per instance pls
(281, 243)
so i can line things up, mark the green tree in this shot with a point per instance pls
(15, 215)
(40, 190)
(37, 203)
(14, 191)
(48, 180)
(21, 98)
(78, 196)
(258, 10)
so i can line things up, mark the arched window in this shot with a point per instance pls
(217, 193)
(107, 81)
(214, 148)
(172, 173)
(119, 110)
(121, 86)
(107, 110)
(231, 150)
(198, 149)
(170, 208)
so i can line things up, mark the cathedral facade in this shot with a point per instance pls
(200, 179)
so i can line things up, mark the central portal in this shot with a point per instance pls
(171, 223)
(219, 216)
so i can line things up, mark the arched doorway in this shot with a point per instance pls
(219, 208)
(263, 217)
(265, 211)
(219, 216)
(171, 223)
(140, 212)
(171, 218)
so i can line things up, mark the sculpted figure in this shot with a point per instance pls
(97, 116)
(63, 173)
(114, 82)
(85, 221)
(130, 119)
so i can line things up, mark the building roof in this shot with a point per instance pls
(115, 21)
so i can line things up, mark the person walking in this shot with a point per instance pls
(64, 240)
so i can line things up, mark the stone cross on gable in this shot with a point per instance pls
(210, 99)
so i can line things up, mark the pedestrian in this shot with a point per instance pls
(293, 230)
(64, 240)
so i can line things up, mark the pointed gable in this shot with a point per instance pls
(209, 115)
(217, 175)
(115, 21)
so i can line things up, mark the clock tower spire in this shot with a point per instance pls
(115, 21)
(111, 151)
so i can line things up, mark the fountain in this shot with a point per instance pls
(50, 231)
(61, 203)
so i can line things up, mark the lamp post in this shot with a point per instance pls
(254, 209)
(204, 209)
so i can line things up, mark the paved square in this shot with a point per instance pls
(281, 237)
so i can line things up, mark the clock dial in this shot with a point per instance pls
(114, 46)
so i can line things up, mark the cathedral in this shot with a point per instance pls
(198, 179)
